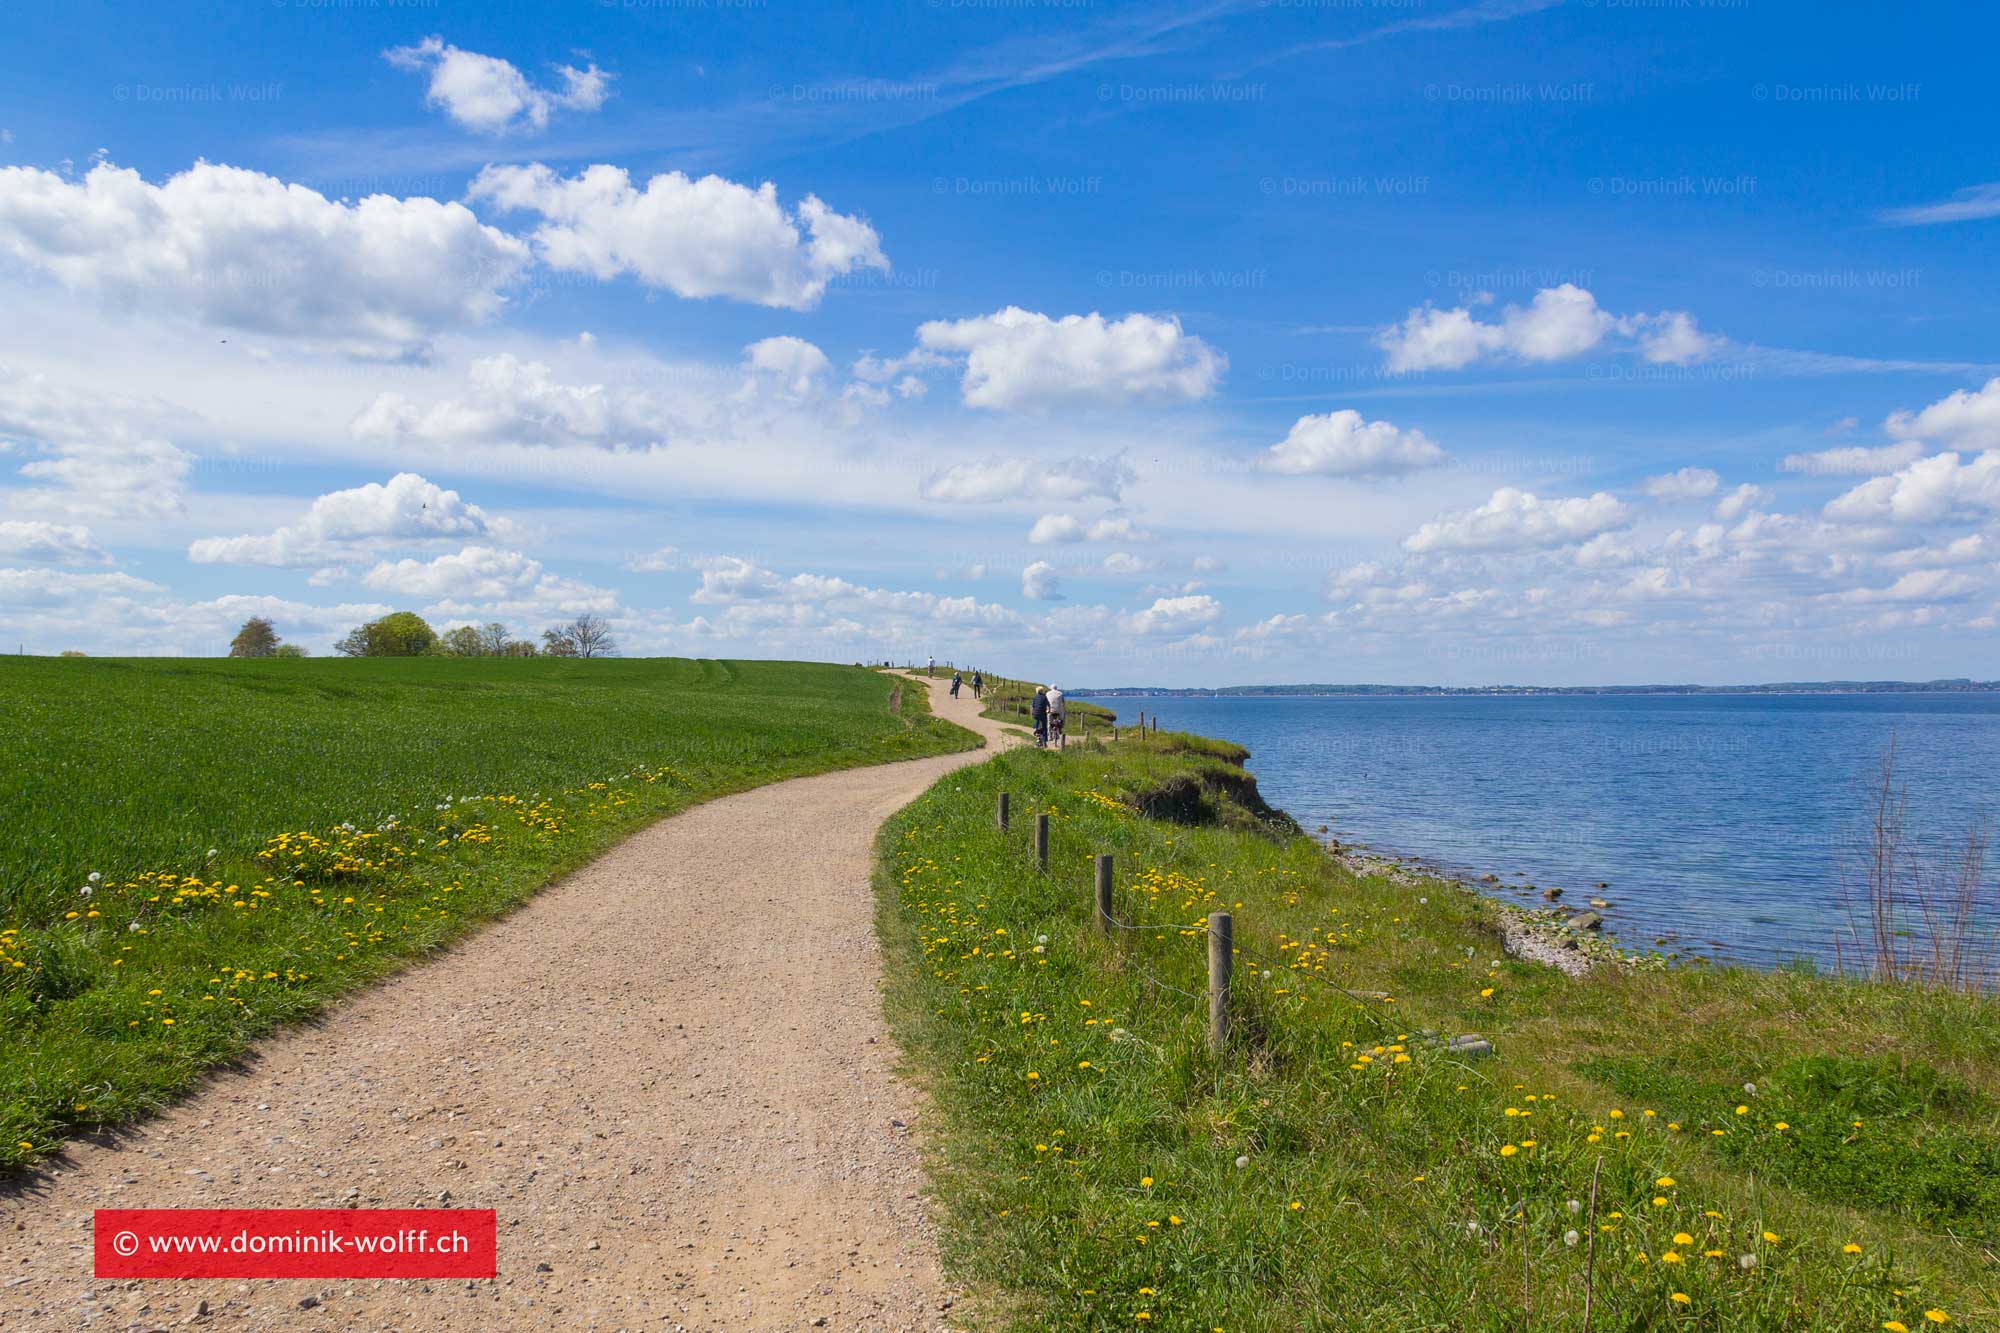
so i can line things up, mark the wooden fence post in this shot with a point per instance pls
(1221, 955)
(1000, 813)
(1042, 843)
(1104, 917)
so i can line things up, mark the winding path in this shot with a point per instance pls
(669, 1074)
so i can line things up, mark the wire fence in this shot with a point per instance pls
(1215, 927)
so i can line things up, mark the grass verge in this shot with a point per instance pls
(1008, 701)
(1764, 1150)
(198, 851)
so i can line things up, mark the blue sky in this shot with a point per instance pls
(1461, 341)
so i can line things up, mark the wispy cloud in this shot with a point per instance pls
(1968, 205)
(793, 115)
(1471, 16)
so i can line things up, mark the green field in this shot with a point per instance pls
(1097, 1167)
(197, 850)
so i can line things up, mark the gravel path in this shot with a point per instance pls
(669, 1074)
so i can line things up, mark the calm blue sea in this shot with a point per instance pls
(1726, 824)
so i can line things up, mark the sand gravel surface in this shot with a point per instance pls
(669, 1074)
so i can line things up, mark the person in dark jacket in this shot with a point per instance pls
(978, 684)
(954, 684)
(1038, 709)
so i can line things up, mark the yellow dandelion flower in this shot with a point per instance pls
(1850, 1248)
(1680, 1298)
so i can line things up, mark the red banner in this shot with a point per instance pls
(296, 1242)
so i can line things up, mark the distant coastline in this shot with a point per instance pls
(1958, 686)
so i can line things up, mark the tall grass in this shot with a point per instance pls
(1925, 913)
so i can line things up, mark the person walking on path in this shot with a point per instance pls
(1038, 711)
(930, 668)
(954, 684)
(1057, 718)
(978, 684)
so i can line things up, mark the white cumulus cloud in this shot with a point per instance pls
(1041, 582)
(1051, 528)
(407, 508)
(244, 250)
(1930, 490)
(1175, 615)
(695, 238)
(1922, 585)
(1689, 483)
(50, 543)
(1019, 359)
(488, 580)
(797, 366)
(1343, 444)
(1740, 502)
(508, 400)
(490, 95)
(1964, 419)
(1559, 323)
(1520, 520)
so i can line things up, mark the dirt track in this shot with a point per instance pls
(668, 1074)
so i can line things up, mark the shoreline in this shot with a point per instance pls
(1541, 935)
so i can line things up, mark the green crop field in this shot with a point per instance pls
(1673, 1147)
(195, 850)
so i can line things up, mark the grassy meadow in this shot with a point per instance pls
(198, 850)
(1671, 1148)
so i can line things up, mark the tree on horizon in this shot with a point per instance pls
(257, 638)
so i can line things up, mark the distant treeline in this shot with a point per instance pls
(1960, 686)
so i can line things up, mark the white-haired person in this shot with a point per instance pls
(1056, 734)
